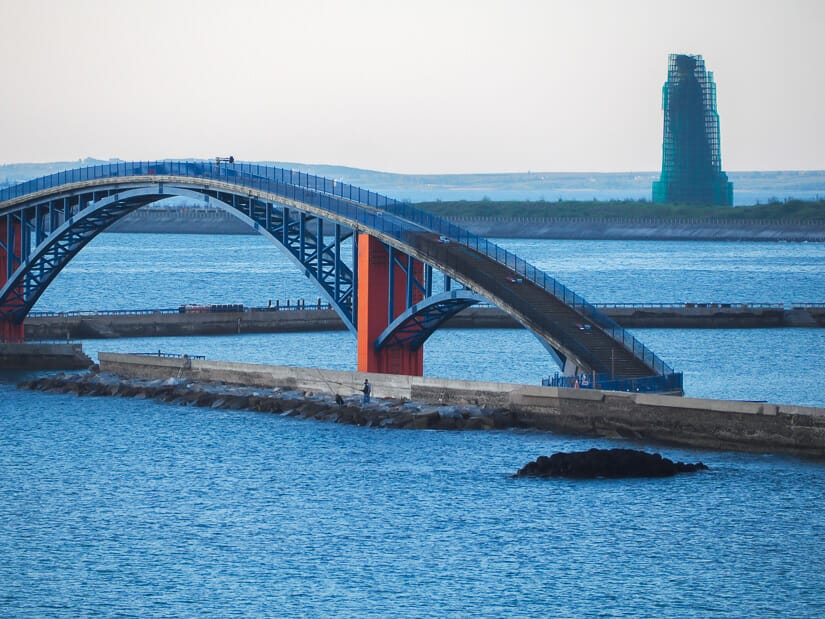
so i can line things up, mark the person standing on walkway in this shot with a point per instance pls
(367, 389)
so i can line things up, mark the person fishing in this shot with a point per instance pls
(367, 390)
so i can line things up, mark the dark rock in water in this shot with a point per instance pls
(612, 463)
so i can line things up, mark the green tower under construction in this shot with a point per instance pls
(691, 154)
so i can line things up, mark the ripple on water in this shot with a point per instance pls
(112, 505)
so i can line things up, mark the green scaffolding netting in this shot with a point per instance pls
(691, 153)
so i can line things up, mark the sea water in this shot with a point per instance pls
(128, 507)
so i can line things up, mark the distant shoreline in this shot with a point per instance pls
(217, 221)
(750, 187)
(644, 229)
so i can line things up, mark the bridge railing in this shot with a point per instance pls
(267, 178)
(348, 201)
(167, 355)
(648, 384)
(288, 306)
(693, 305)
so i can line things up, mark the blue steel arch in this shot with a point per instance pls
(538, 301)
(55, 245)
(419, 321)
(306, 248)
(303, 239)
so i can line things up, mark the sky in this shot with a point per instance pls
(418, 87)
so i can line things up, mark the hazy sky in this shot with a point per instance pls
(417, 86)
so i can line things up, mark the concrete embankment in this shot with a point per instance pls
(183, 220)
(90, 325)
(218, 221)
(43, 357)
(644, 229)
(714, 424)
(717, 316)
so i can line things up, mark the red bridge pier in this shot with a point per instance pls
(374, 296)
(10, 238)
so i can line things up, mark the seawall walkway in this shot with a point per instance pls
(644, 229)
(218, 221)
(714, 424)
(43, 356)
(227, 319)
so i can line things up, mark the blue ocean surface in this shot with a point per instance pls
(129, 271)
(129, 507)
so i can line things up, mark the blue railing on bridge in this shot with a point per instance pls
(347, 201)
(167, 355)
(302, 304)
(672, 382)
(289, 305)
(692, 305)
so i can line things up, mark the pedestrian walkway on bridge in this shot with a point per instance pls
(383, 290)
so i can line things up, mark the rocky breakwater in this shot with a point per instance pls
(379, 412)
(606, 463)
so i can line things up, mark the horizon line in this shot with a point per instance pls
(377, 171)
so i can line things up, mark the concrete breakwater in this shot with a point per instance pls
(644, 229)
(716, 315)
(714, 424)
(148, 323)
(43, 357)
(181, 220)
(151, 323)
(380, 413)
(217, 221)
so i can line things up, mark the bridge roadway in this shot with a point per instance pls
(45, 223)
(538, 310)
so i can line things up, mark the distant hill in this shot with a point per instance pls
(749, 187)
(13, 173)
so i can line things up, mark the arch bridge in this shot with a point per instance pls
(374, 258)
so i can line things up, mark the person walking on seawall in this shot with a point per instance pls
(367, 389)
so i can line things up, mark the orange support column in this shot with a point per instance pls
(374, 307)
(9, 331)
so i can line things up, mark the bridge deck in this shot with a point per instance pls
(49, 220)
(548, 316)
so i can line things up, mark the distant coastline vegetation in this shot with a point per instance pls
(615, 195)
(806, 210)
